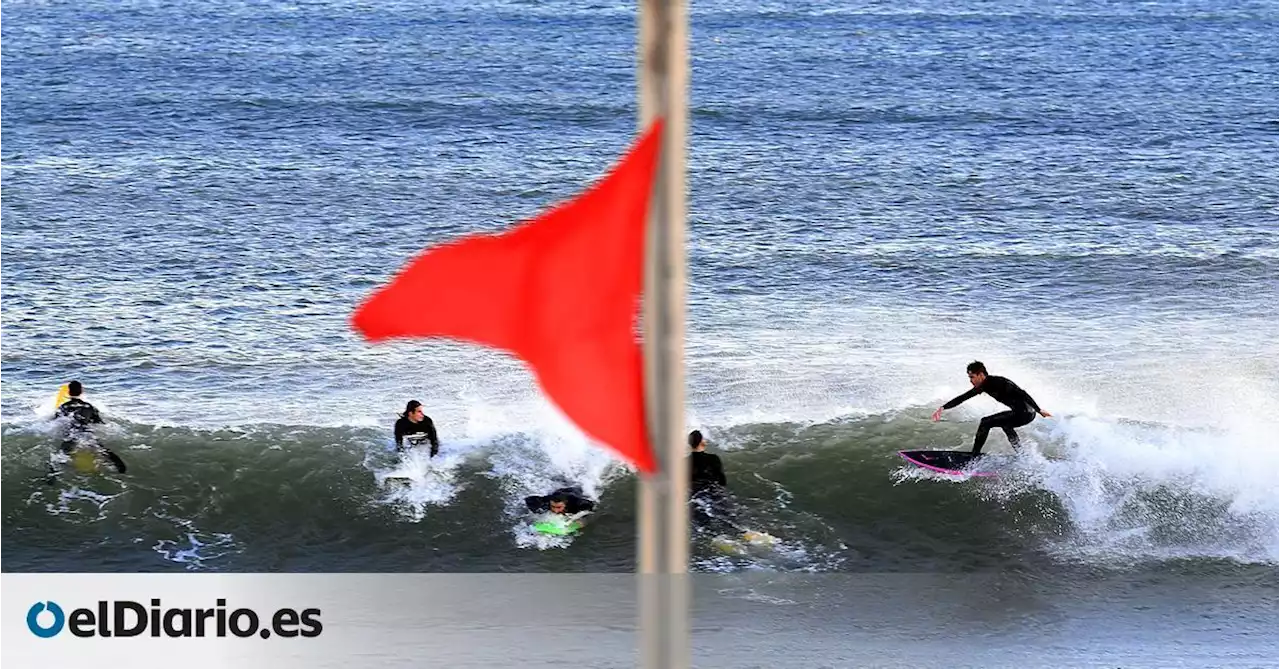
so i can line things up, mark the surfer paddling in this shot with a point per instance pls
(562, 511)
(80, 415)
(1022, 408)
(563, 501)
(416, 425)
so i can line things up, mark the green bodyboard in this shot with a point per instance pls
(556, 526)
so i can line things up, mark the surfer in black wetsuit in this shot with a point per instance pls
(708, 487)
(415, 421)
(706, 473)
(568, 500)
(1022, 408)
(80, 415)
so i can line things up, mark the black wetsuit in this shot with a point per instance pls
(82, 415)
(574, 501)
(405, 427)
(705, 471)
(1022, 409)
(712, 508)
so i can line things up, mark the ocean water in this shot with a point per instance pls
(1083, 195)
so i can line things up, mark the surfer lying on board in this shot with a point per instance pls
(568, 500)
(415, 421)
(1022, 408)
(80, 415)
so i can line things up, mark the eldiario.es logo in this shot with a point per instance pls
(124, 618)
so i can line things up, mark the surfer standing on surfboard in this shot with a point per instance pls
(81, 415)
(1022, 408)
(415, 421)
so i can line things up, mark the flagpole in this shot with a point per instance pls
(663, 541)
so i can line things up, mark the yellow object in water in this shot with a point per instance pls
(84, 460)
(64, 394)
(748, 539)
(759, 538)
(727, 545)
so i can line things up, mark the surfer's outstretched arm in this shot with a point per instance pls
(973, 392)
(1032, 402)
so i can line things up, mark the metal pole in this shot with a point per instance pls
(663, 542)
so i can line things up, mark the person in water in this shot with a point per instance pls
(1022, 408)
(706, 473)
(80, 416)
(415, 421)
(569, 500)
(708, 489)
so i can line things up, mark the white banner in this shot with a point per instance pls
(279, 621)
(589, 621)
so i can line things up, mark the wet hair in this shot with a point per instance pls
(74, 389)
(695, 438)
(976, 367)
(408, 408)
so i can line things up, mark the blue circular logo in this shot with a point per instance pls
(33, 619)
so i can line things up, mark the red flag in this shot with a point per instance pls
(561, 292)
